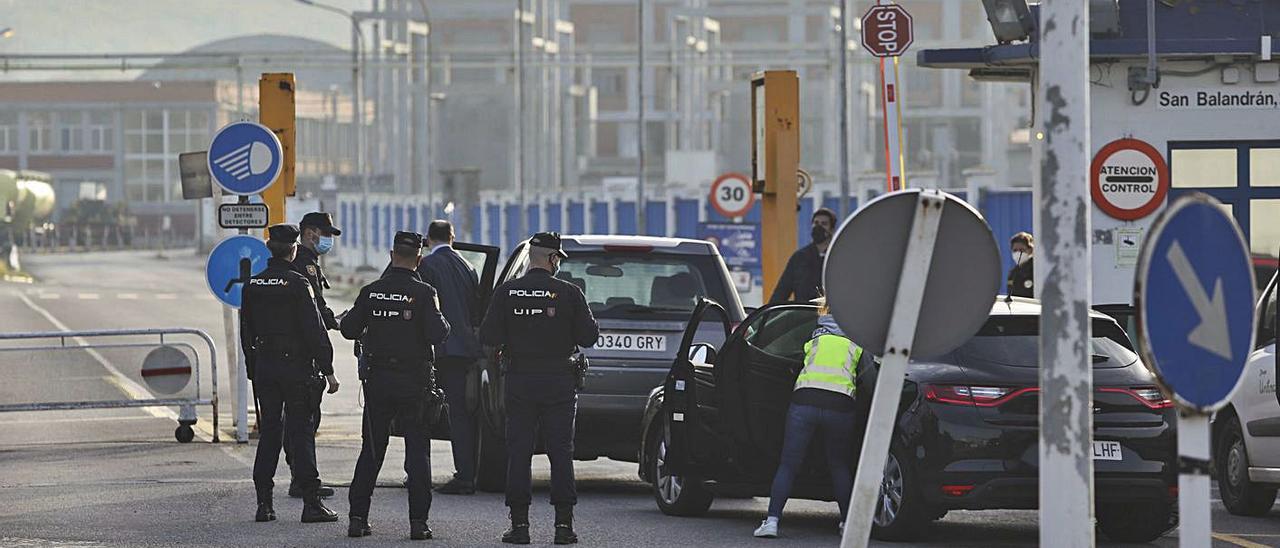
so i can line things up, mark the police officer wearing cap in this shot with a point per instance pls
(283, 338)
(539, 321)
(318, 231)
(398, 320)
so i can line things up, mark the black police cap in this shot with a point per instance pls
(322, 221)
(548, 240)
(284, 233)
(411, 239)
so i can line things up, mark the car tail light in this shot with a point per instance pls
(956, 490)
(1149, 396)
(628, 248)
(981, 396)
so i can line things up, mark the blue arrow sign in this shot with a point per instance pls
(223, 266)
(1195, 298)
(245, 158)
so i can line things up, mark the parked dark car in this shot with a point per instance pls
(641, 291)
(967, 431)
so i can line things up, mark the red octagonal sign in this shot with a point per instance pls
(886, 30)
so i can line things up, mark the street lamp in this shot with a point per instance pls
(357, 113)
(7, 32)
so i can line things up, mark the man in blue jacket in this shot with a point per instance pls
(458, 286)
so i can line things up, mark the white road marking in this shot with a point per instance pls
(166, 296)
(49, 296)
(88, 296)
(127, 296)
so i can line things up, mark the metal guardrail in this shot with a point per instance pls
(186, 414)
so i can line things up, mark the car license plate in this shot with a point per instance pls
(632, 342)
(1106, 450)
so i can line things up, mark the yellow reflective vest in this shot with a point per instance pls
(830, 363)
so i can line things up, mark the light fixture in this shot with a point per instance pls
(7, 32)
(1010, 19)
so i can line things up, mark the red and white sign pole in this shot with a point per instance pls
(887, 33)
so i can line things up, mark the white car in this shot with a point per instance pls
(1246, 433)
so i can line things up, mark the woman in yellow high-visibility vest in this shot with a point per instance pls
(822, 402)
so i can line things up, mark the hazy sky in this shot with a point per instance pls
(99, 26)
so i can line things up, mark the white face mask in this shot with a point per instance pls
(1021, 257)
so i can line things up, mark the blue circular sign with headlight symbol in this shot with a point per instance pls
(245, 158)
(1195, 296)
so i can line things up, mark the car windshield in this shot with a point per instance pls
(625, 285)
(1012, 341)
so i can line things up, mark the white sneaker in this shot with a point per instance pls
(768, 528)
(841, 528)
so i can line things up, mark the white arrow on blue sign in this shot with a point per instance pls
(245, 158)
(1194, 299)
(222, 269)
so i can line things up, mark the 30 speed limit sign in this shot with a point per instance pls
(731, 195)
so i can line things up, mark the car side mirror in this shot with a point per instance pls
(702, 353)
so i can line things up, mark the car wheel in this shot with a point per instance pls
(1241, 496)
(1137, 522)
(901, 513)
(675, 495)
(491, 460)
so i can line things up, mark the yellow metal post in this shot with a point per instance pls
(277, 111)
(775, 159)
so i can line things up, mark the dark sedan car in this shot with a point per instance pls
(966, 438)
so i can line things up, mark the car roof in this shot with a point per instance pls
(1022, 306)
(593, 242)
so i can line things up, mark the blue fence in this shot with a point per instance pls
(493, 223)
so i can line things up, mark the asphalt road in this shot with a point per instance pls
(117, 478)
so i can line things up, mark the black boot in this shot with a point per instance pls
(322, 491)
(457, 487)
(519, 531)
(358, 526)
(314, 511)
(418, 529)
(564, 525)
(265, 512)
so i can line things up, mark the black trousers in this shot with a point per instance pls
(546, 404)
(316, 389)
(387, 397)
(284, 406)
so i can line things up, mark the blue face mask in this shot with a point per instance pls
(324, 244)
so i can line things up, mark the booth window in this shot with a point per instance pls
(1203, 167)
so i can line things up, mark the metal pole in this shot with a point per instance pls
(640, 121)
(1066, 374)
(357, 113)
(843, 111)
(520, 43)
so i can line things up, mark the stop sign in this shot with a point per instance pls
(886, 30)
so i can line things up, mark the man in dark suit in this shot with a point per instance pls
(458, 286)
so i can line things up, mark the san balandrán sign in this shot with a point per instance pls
(1219, 99)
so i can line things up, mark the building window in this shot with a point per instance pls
(101, 131)
(39, 132)
(153, 139)
(9, 132)
(71, 130)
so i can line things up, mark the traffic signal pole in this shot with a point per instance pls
(775, 153)
(277, 111)
(1066, 373)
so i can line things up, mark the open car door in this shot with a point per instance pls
(484, 259)
(680, 391)
(755, 375)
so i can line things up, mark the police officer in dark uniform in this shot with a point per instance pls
(318, 231)
(283, 338)
(398, 320)
(539, 322)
